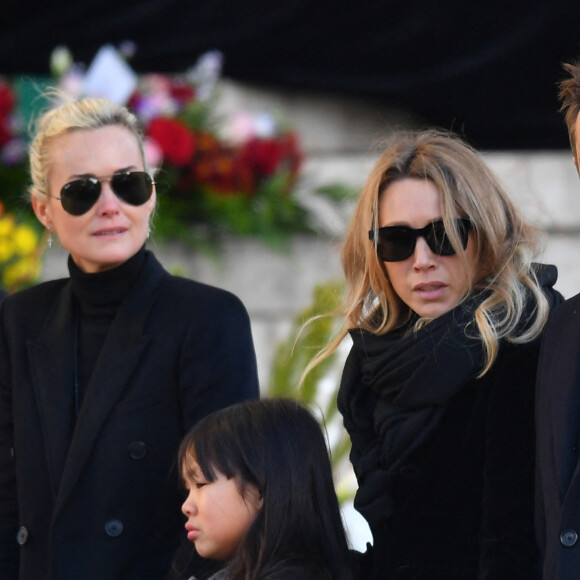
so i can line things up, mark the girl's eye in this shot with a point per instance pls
(200, 484)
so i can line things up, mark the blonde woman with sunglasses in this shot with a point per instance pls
(445, 310)
(102, 373)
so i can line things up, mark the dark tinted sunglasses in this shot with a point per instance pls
(397, 243)
(80, 195)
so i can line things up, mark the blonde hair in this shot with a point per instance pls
(69, 116)
(504, 244)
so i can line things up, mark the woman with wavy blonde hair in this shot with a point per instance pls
(445, 310)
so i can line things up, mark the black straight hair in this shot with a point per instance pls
(278, 446)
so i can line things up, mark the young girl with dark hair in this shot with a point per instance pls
(261, 494)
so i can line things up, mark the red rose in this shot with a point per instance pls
(176, 141)
(264, 155)
(7, 100)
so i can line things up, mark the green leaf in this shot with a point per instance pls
(311, 330)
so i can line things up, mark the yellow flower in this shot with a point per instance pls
(20, 272)
(6, 225)
(6, 248)
(25, 240)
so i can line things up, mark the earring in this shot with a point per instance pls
(49, 241)
(148, 232)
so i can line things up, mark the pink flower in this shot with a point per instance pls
(153, 153)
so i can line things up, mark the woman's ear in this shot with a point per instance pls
(40, 207)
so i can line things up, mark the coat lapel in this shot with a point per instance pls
(52, 369)
(111, 376)
(564, 412)
(121, 354)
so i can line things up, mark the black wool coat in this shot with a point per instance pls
(463, 502)
(105, 504)
(558, 440)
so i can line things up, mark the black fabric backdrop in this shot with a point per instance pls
(487, 68)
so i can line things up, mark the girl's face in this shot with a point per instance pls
(218, 517)
(427, 283)
(112, 231)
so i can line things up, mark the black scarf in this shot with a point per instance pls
(394, 391)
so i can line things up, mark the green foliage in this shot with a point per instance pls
(311, 330)
(202, 218)
(197, 114)
(337, 192)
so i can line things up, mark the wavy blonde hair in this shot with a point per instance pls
(504, 244)
(68, 116)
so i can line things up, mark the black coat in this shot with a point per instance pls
(463, 501)
(106, 504)
(558, 432)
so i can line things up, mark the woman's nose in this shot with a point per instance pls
(423, 256)
(108, 201)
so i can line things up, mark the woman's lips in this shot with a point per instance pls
(110, 232)
(430, 290)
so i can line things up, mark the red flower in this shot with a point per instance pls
(182, 93)
(264, 155)
(222, 169)
(206, 143)
(267, 156)
(176, 141)
(7, 100)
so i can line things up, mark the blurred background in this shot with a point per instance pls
(264, 120)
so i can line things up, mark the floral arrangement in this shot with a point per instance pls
(218, 172)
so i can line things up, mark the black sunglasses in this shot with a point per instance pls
(397, 243)
(79, 196)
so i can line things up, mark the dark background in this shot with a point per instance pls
(488, 69)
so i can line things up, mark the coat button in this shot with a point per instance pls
(137, 450)
(114, 528)
(568, 538)
(22, 536)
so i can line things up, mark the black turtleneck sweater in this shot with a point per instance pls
(98, 298)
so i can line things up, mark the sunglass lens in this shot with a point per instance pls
(439, 241)
(79, 196)
(134, 188)
(395, 244)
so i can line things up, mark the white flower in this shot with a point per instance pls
(265, 125)
(206, 73)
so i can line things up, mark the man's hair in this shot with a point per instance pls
(570, 100)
